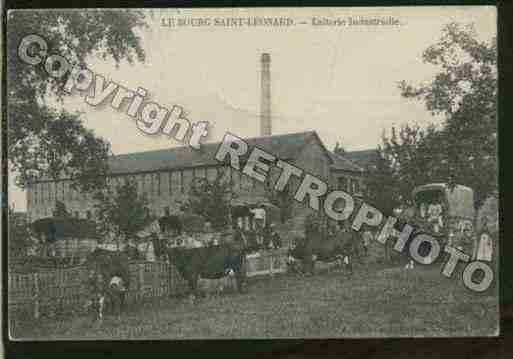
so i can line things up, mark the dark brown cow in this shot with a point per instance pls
(325, 249)
(210, 262)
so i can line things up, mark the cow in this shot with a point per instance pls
(340, 248)
(308, 251)
(109, 279)
(210, 262)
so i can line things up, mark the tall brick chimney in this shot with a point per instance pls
(265, 104)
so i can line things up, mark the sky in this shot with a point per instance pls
(340, 81)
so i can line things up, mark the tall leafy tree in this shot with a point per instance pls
(122, 211)
(381, 185)
(413, 157)
(45, 142)
(463, 93)
(210, 199)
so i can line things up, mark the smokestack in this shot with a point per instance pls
(265, 104)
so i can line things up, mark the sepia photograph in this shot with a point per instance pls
(249, 173)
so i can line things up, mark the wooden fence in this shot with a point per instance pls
(62, 291)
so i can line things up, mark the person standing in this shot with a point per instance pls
(117, 292)
(352, 243)
(208, 235)
(258, 217)
(312, 234)
(238, 236)
(367, 238)
(484, 248)
(95, 289)
(435, 215)
(343, 237)
(275, 237)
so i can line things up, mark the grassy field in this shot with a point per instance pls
(372, 302)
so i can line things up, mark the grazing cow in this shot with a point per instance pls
(340, 249)
(210, 262)
(112, 276)
(218, 286)
(308, 251)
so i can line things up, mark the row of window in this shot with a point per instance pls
(157, 184)
(238, 180)
(151, 184)
(349, 185)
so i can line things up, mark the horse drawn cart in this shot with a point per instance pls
(256, 217)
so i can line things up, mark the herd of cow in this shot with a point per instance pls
(109, 277)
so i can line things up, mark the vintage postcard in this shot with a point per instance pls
(252, 173)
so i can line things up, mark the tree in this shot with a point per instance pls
(464, 93)
(414, 158)
(210, 199)
(122, 211)
(63, 148)
(60, 210)
(382, 189)
(44, 142)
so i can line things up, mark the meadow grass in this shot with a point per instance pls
(373, 302)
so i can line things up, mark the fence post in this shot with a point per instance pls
(36, 295)
(271, 257)
(140, 267)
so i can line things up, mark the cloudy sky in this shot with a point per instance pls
(340, 81)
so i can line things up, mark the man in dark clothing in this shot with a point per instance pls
(275, 237)
(239, 236)
(350, 244)
(267, 237)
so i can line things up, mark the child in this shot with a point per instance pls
(96, 294)
(117, 293)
